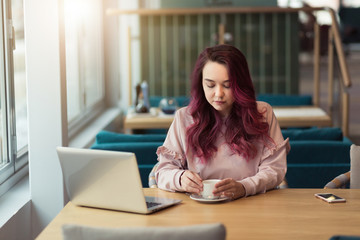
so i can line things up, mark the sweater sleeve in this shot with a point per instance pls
(171, 156)
(272, 167)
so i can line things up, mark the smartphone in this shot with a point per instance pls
(329, 197)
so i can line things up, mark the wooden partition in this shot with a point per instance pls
(170, 44)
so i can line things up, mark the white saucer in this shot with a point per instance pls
(199, 198)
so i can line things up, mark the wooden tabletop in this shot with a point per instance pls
(278, 214)
(302, 116)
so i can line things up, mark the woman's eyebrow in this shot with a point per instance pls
(207, 79)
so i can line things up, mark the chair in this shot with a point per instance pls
(342, 237)
(340, 181)
(317, 155)
(214, 231)
(152, 180)
(351, 177)
(355, 166)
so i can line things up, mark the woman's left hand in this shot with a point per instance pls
(229, 188)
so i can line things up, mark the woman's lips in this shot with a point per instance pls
(219, 102)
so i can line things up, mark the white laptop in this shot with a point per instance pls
(106, 179)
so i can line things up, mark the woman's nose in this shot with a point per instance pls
(219, 91)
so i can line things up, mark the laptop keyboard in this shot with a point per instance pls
(152, 204)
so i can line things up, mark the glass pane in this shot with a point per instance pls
(83, 55)
(19, 74)
(72, 73)
(91, 73)
(91, 53)
(72, 25)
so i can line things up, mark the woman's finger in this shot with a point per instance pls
(191, 182)
(230, 188)
(227, 184)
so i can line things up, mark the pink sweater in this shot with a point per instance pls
(266, 171)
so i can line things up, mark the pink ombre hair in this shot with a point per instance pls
(244, 126)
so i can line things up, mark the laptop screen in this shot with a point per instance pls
(102, 179)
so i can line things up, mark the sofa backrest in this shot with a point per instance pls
(317, 155)
(313, 134)
(113, 137)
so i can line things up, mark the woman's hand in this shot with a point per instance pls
(229, 188)
(191, 182)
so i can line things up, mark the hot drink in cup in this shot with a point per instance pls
(208, 188)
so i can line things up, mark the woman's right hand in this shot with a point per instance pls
(191, 182)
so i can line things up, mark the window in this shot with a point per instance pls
(13, 107)
(84, 61)
(85, 75)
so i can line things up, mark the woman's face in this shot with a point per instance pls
(216, 85)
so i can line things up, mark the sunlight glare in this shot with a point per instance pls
(76, 11)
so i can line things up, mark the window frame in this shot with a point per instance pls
(16, 159)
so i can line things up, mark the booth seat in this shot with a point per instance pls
(317, 155)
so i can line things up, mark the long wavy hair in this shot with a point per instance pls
(245, 124)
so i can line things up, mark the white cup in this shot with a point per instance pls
(208, 188)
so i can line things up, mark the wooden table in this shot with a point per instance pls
(278, 214)
(152, 120)
(304, 116)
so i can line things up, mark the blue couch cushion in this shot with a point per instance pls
(312, 164)
(320, 152)
(313, 175)
(113, 137)
(314, 134)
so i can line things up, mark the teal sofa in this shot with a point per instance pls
(317, 155)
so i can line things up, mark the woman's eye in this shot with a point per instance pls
(227, 86)
(210, 86)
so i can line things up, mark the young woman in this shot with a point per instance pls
(224, 133)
